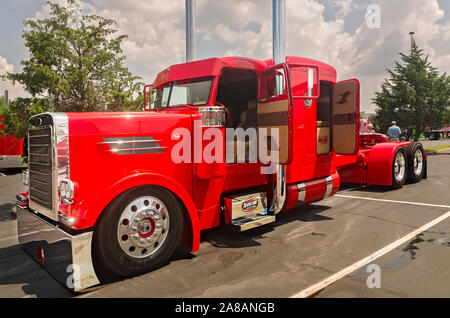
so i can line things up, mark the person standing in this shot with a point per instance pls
(394, 132)
(370, 129)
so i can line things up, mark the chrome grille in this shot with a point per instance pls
(48, 161)
(41, 166)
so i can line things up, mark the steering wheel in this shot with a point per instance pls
(226, 111)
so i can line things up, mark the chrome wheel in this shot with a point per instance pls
(143, 227)
(418, 162)
(399, 167)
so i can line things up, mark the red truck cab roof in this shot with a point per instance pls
(213, 67)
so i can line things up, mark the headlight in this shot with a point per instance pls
(66, 191)
(25, 177)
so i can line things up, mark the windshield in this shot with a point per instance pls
(191, 92)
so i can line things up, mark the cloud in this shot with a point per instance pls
(156, 36)
(14, 91)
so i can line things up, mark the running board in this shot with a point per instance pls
(244, 224)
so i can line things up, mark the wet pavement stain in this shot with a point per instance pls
(408, 255)
(230, 257)
(444, 240)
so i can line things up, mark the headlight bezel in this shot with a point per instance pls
(66, 192)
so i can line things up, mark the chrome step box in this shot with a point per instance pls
(246, 211)
(247, 205)
(244, 224)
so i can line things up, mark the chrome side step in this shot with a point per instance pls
(247, 223)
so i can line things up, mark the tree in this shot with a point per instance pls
(416, 96)
(16, 115)
(76, 63)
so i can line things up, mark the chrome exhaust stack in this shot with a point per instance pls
(279, 31)
(190, 30)
(279, 56)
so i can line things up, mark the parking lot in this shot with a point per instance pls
(304, 247)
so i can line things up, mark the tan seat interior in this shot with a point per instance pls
(323, 140)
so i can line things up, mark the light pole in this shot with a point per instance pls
(412, 40)
(190, 30)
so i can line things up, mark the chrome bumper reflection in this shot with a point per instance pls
(67, 258)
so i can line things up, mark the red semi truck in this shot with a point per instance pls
(11, 150)
(113, 194)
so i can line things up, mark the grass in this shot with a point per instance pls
(434, 149)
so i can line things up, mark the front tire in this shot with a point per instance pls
(138, 232)
(399, 169)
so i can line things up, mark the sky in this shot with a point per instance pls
(359, 43)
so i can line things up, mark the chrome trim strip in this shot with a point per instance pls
(132, 145)
(121, 142)
(37, 136)
(329, 181)
(301, 192)
(41, 191)
(41, 182)
(137, 149)
(244, 224)
(39, 154)
(42, 201)
(41, 173)
(40, 163)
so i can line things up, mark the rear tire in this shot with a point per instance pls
(416, 162)
(404, 137)
(138, 232)
(399, 169)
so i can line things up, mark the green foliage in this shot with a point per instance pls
(416, 96)
(16, 115)
(76, 62)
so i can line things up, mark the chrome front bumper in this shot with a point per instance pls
(67, 258)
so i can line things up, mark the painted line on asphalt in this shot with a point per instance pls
(311, 290)
(393, 201)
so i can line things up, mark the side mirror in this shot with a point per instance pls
(148, 103)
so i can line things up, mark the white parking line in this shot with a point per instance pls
(350, 269)
(393, 201)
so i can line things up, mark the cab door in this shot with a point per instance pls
(345, 121)
(274, 115)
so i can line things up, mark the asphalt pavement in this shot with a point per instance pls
(303, 247)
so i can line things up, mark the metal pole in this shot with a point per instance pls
(279, 31)
(190, 30)
(6, 97)
(412, 40)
